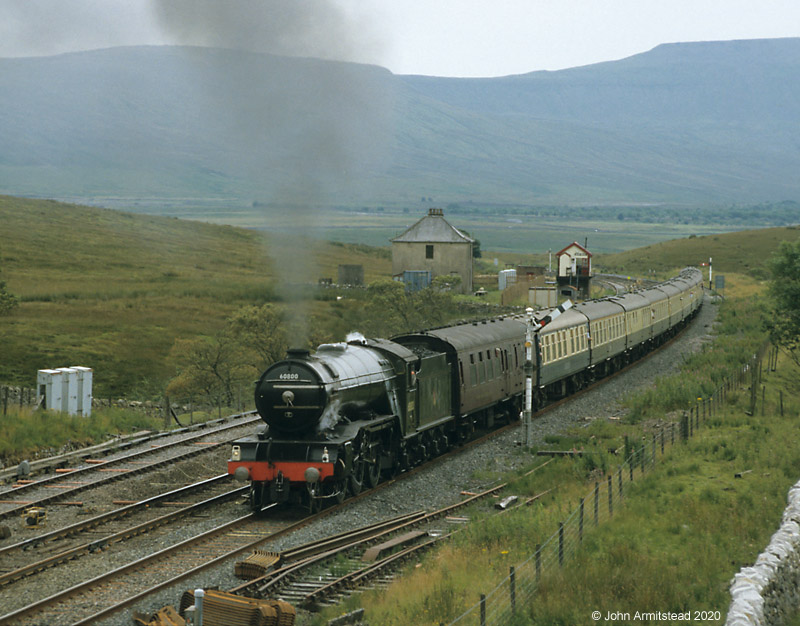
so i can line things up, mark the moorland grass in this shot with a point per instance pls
(114, 291)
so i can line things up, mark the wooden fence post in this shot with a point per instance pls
(610, 497)
(512, 577)
(483, 609)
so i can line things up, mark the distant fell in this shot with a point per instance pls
(688, 123)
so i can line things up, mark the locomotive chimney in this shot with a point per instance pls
(297, 353)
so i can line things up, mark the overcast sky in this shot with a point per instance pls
(434, 37)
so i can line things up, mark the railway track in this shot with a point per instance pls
(67, 483)
(114, 590)
(322, 572)
(38, 554)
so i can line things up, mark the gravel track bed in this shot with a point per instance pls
(431, 489)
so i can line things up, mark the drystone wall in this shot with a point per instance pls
(768, 593)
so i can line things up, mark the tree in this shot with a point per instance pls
(261, 330)
(389, 309)
(215, 367)
(211, 367)
(784, 322)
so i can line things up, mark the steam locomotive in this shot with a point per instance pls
(339, 419)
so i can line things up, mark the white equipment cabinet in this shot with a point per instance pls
(84, 377)
(69, 395)
(65, 389)
(49, 389)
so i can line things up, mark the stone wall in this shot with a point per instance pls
(768, 593)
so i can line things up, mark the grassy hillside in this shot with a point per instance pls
(744, 253)
(113, 291)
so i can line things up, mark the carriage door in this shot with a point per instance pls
(506, 367)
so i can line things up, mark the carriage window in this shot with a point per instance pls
(572, 339)
(473, 376)
(461, 372)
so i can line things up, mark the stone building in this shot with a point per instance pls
(433, 245)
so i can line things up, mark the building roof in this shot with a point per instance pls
(574, 243)
(433, 228)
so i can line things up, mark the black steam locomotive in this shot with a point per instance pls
(338, 419)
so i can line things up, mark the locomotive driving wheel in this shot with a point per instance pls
(356, 479)
(373, 470)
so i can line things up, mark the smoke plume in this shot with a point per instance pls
(301, 128)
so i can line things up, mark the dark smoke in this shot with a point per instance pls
(301, 127)
(308, 28)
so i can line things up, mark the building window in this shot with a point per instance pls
(429, 251)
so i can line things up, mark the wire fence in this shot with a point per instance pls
(499, 606)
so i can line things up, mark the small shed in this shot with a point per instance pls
(352, 275)
(542, 297)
